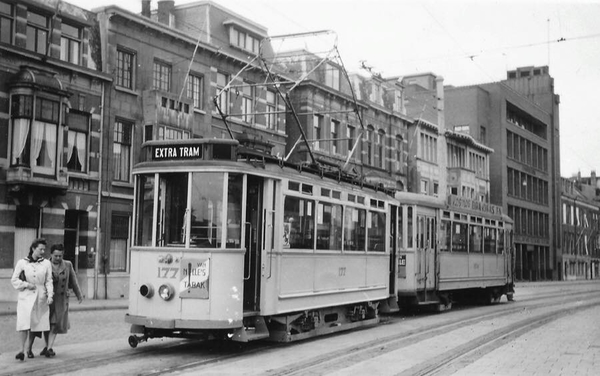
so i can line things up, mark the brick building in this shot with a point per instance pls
(519, 119)
(52, 96)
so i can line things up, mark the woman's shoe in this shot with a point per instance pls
(44, 351)
(50, 353)
(30, 354)
(20, 356)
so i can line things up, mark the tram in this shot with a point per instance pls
(231, 243)
(452, 250)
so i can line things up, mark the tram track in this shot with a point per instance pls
(185, 355)
(331, 361)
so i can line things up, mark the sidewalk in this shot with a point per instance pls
(10, 308)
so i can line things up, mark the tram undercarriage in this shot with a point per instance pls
(280, 328)
(440, 301)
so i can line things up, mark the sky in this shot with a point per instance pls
(465, 41)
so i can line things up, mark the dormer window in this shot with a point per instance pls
(332, 76)
(243, 40)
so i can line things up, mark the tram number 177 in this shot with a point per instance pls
(167, 272)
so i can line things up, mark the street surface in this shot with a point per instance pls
(551, 329)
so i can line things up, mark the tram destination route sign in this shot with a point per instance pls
(176, 151)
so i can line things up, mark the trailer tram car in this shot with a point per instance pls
(232, 244)
(453, 250)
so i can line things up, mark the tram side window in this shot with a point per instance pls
(299, 223)
(475, 238)
(172, 204)
(446, 235)
(459, 237)
(145, 210)
(376, 232)
(500, 241)
(354, 229)
(234, 210)
(489, 244)
(206, 208)
(400, 228)
(329, 226)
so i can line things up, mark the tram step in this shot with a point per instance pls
(252, 333)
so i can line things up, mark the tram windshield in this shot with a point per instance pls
(189, 209)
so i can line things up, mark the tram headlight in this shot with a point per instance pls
(146, 290)
(166, 292)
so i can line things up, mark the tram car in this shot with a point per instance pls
(229, 244)
(452, 250)
(235, 244)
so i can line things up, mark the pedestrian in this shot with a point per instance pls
(32, 277)
(64, 278)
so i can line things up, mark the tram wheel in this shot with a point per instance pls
(133, 341)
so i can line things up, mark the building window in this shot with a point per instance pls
(317, 128)
(162, 76)
(332, 76)
(6, 23)
(77, 141)
(34, 135)
(381, 149)
(119, 235)
(482, 135)
(335, 127)
(195, 90)
(370, 135)
(271, 117)
(122, 150)
(243, 40)
(248, 103)
(223, 99)
(424, 187)
(350, 131)
(70, 43)
(428, 148)
(37, 32)
(170, 133)
(399, 152)
(125, 67)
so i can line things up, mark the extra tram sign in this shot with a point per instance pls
(179, 151)
(466, 203)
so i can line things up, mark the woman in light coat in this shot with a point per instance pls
(64, 278)
(33, 279)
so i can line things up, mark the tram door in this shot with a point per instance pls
(254, 220)
(425, 257)
(394, 244)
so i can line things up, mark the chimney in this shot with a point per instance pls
(164, 11)
(146, 8)
(594, 181)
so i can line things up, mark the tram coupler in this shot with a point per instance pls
(134, 340)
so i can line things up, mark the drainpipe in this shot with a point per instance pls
(98, 217)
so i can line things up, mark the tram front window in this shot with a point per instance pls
(145, 210)
(207, 208)
(172, 204)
